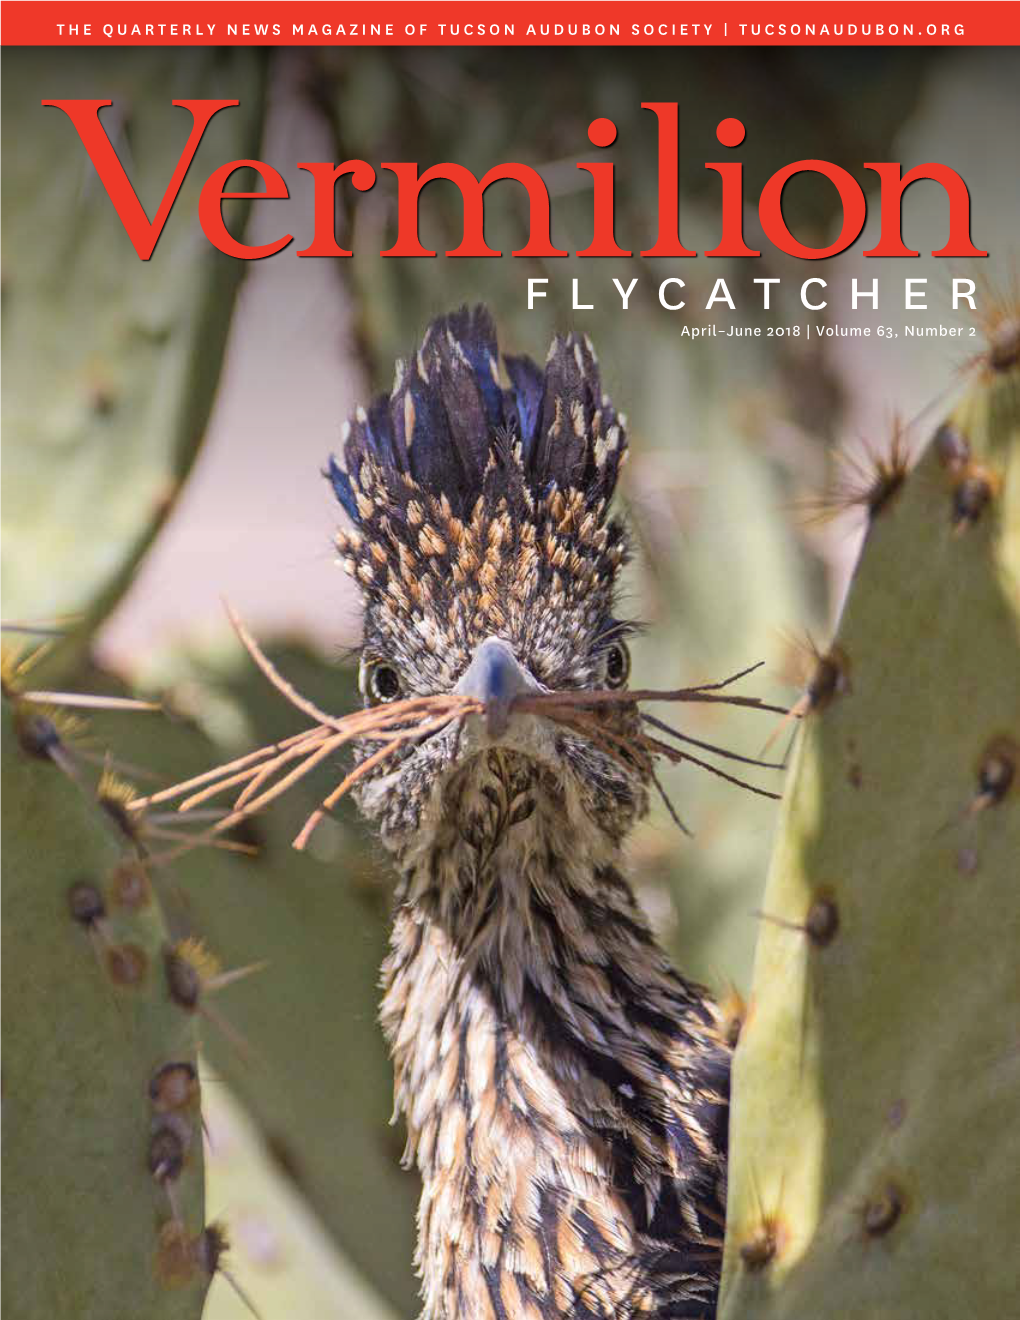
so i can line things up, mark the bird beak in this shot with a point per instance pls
(495, 677)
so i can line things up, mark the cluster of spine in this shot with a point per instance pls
(875, 1130)
(103, 1157)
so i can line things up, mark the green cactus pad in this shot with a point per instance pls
(111, 363)
(317, 1082)
(102, 1140)
(281, 1257)
(876, 1122)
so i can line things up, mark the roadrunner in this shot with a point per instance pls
(565, 1089)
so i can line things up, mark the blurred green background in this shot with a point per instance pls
(165, 424)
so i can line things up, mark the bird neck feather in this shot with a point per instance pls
(563, 1086)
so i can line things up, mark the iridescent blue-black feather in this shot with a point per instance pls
(449, 423)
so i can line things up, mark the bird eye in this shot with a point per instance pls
(381, 683)
(617, 665)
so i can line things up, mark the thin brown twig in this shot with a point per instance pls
(250, 808)
(265, 773)
(728, 682)
(370, 762)
(391, 738)
(255, 774)
(646, 743)
(193, 841)
(398, 723)
(677, 756)
(272, 673)
(391, 713)
(663, 727)
(386, 724)
(175, 790)
(674, 814)
(603, 737)
(614, 697)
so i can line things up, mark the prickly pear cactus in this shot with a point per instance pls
(320, 1099)
(102, 1156)
(106, 421)
(876, 1126)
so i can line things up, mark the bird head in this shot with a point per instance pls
(483, 546)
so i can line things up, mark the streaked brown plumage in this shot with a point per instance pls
(565, 1090)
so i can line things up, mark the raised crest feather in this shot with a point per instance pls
(449, 428)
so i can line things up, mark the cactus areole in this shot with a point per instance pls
(602, 133)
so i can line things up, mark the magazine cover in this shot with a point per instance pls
(511, 660)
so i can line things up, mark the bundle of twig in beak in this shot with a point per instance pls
(586, 712)
(260, 777)
(257, 776)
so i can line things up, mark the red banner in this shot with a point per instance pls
(510, 23)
